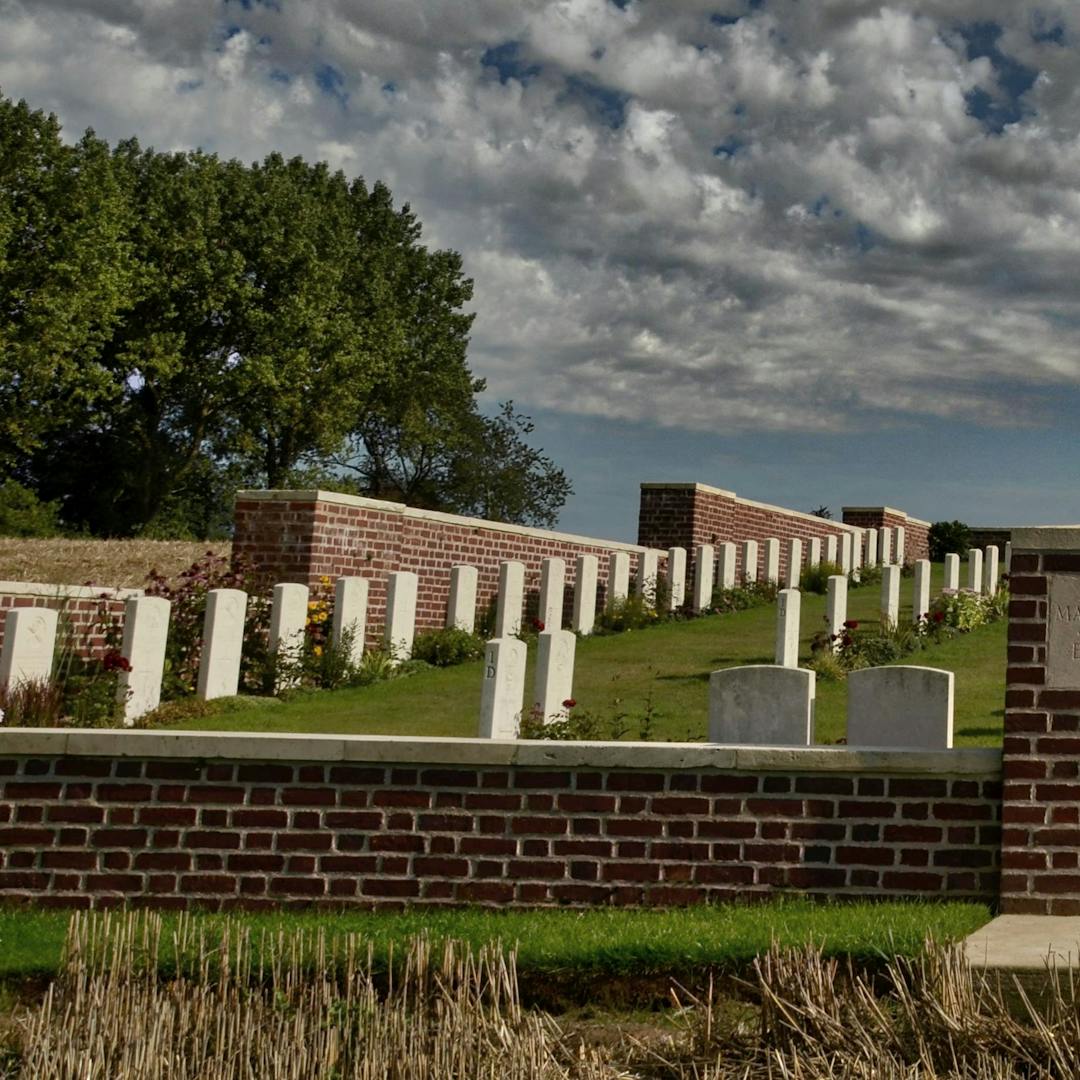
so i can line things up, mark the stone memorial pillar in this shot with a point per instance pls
(885, 547)
(223, 643)
(750, 560)
(461, 609)
(772, 560)
(618, 587)
(952, 572)
(726, 566)
(648, 573)
(871, 547)
(503, 690)
(920, 604)
(900, 544)
(29, 641)
(991, 574)
(836, 606)
(813, 552)
(554, 672)
(146, 630)
(676, 577)
(975, 570)
(890, 594)
(401, 588)
(830, 549)
(788, 607)
(510, 600)
(350, 612)
(584, 617)
(845, 553)
(704, 556)
(794, 563)
(552, 590)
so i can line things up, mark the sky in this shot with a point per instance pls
(817, 253)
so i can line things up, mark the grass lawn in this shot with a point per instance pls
(601, 941)
(656, 677)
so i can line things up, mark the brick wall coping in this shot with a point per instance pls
(1047, 538)
(751, 502)
(66, 592)
(434, 515)
(233, 746)
(884, 510)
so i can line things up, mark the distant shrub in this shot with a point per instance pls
(22, 513)
(946, 537)
(445, 648)
(750, 594)
(815, 579)
(633, 612)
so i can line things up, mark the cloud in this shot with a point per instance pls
(712, 216)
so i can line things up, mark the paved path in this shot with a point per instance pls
(1025, 942)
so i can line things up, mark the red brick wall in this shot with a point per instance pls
(81, 831)
(686, 515)
(79, 610)
(302, 538)
(1041, 765)
(916, 532)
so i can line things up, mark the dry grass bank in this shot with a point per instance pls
(111, 563)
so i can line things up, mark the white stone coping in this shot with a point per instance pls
(693, 486)
(476, 524)
(65, 592)
(884, 510)
(247, 746)
(1047, 538)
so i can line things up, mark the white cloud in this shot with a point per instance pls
(786, 221)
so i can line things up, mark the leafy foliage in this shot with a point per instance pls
(445, 648)
(946, 537)
(174, 326)
(815, 579)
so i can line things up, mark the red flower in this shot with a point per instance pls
(538, 625)
(845, 641)
(851, 624)
(939, 616)
(569, 703)
(114, 661)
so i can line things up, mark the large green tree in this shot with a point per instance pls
(65, 269)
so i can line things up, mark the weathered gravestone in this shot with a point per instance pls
(909, 707)
(760, 704)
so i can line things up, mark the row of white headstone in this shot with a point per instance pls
(983, 577)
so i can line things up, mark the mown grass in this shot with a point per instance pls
(655, 679)
(600, 941)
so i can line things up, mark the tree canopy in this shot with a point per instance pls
(174, 325)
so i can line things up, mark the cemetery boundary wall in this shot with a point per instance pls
(304, 535)
(220, 821)
(82, 609)
(686, 515)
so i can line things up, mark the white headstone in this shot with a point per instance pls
(990, 571)
(461, 607)
(952, 571)
(618, 587)
(585, 594)
(750, 560)
(836, 606)
(1007, 560)
(648, 575)
(830, 549)
(890, 594)
(350, 612)
(813, 555)
(975, 570)
(552, 593)
(856, 555)
(772, 560)
(704, 557)
(288, 617)
(763, 705)
(788, 607)
(871, 547)
(223, 643)
(726, 566)
(401, 591)
(503, 690)
(29, 641)
(885, 546)
(676, 577)
(900, 544)
(845, 553)
(510, 599)
(920, 604)
(794, 563)
(896, 706)
(554, 672)
(146, 630)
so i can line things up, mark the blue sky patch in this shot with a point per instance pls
(601, 101)
(279, 76)
(1014, 79)
(332, 82)
(506, 59)
(729, 147)
(247, 5)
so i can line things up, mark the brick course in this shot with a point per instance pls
(87, 830)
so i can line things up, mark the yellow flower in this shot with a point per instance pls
(317, 650)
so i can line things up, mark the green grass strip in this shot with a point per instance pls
(605, 941)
